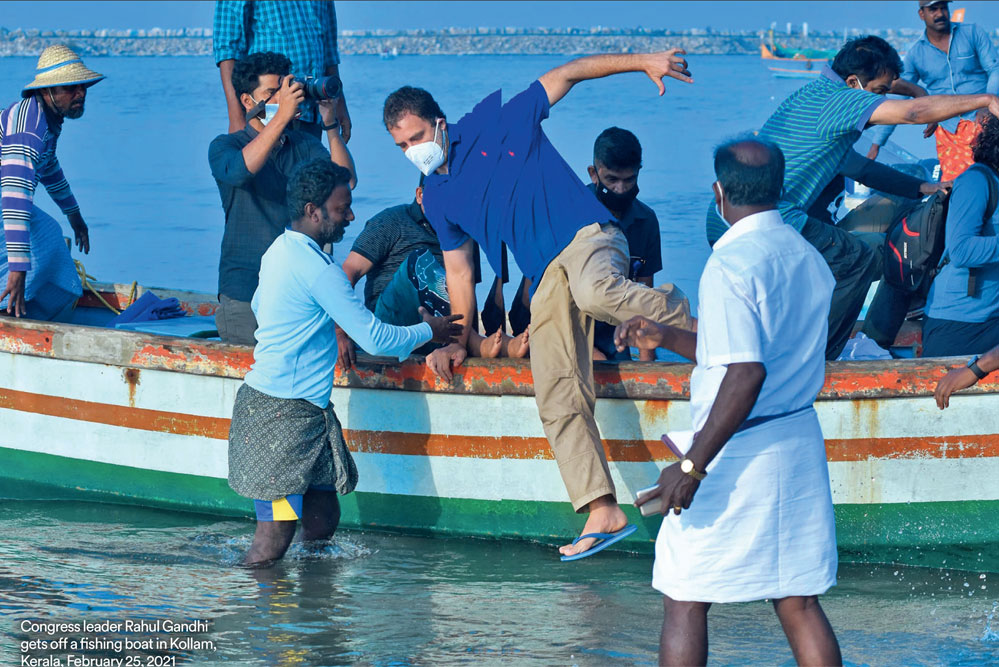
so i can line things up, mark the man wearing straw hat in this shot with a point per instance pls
(37, 272)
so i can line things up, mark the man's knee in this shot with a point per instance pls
(684, 609)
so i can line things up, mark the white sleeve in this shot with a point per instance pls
(729, 329)
(332, 291)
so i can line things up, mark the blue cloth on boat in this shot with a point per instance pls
(508, 184)
(52, 284)
(149, 307)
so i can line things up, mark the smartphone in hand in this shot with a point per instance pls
(653, 506)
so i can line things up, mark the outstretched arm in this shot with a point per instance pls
(931, 109)
(657, 66)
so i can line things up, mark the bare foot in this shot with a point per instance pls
(491, 345)
(520, 346)
(606, 516)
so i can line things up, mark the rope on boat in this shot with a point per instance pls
(85, 279)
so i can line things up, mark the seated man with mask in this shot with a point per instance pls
(251, 167)
(617, 159)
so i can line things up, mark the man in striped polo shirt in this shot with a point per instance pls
(815, 128)
(36, 270)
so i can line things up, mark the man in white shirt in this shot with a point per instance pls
(286, 447)
(761, 523)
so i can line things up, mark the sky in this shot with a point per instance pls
(362, 15)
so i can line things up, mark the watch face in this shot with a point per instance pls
(686, 465)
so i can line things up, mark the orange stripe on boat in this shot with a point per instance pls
(479, 447)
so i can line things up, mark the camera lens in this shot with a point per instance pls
(322, 87)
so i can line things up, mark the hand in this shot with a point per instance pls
(667, 63)
(446, 329)
(15, 290)
(641, 332)
(443, 360)
(675, 488)
(956, 380)
(872, 154)
(929, 187)
(292, 95)
(993, 107)
(343, 117)
(345, 355)
(80, 231)
(929, 130)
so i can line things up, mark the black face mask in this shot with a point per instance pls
(613, 200)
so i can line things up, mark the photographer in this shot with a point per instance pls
(251, 167)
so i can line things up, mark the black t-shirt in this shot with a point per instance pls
(387, 240)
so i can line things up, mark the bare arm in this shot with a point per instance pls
(237, 120)
(356, 266)
(902, 87)
(962, 377)
(657, 66)
(931, 109)
(342, 116)
(339, 152)
(735, 400)
(459, 266)
(256, 152)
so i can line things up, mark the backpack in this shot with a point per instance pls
(914, 244)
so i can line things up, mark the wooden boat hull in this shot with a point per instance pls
(138, 418)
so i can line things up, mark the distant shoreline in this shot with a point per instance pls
(449, 41)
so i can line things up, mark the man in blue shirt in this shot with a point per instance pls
(962, 308)
(949, 59)
(286, 447)
(495, 178)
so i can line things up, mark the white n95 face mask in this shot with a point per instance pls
(429, 155)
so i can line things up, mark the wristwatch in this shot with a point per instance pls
(976, 369)
(687, 466)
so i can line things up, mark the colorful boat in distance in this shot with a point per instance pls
(786, 63)
(142, 418)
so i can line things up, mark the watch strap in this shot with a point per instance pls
(976, 369)
(693, 472)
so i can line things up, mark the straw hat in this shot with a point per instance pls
(60, 66)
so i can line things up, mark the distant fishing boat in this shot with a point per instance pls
(787, 63)
(142, 417)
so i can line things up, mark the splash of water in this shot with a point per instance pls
(990, 635)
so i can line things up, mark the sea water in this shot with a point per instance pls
(377, 599)
(137, 162)
(138, 159)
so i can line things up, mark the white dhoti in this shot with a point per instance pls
(761, 523)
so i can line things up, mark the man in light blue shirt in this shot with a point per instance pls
(286, 446)
(949, 59)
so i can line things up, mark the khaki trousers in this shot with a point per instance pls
(587, 281)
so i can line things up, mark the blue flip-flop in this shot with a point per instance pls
(606, 539)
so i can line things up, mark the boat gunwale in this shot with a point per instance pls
(635, 380)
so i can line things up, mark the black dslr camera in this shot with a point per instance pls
(321, 87)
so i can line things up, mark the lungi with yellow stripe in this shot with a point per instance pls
(282, 447)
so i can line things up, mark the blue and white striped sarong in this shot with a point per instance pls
(52, 285)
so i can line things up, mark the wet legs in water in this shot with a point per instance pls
(684, 638)
(320, 518)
